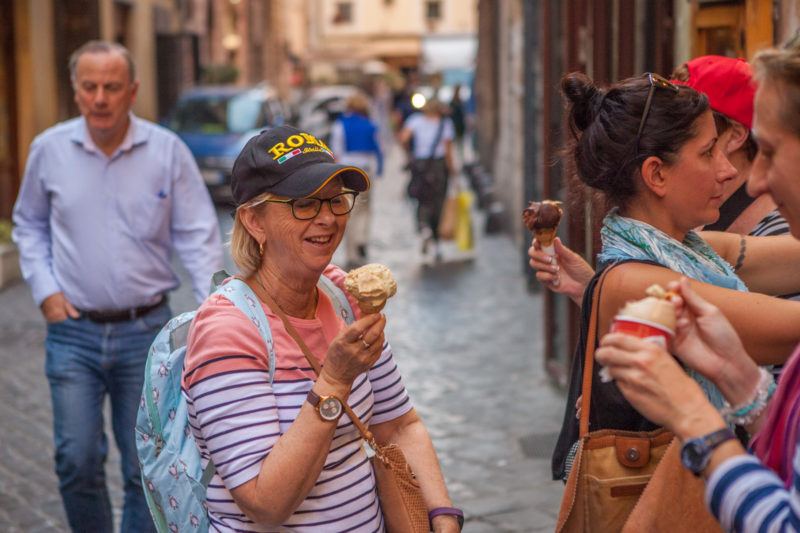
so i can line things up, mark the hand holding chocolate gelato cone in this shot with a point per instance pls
(371, 285)
(542, 219)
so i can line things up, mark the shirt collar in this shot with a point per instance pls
(133, 137)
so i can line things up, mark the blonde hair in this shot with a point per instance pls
(782, 66)
(245, 250)
(358, 103)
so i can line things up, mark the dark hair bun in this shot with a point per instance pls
(583, 96)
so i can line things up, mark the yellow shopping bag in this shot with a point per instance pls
(463, 234)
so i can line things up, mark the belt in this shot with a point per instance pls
(122, 315)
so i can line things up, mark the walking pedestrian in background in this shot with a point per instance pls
(106, 199)
(354, 140)
(457, 115)
(432, 164)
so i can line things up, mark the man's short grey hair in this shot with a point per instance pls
(101, 47)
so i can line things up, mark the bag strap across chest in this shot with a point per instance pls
(588, 364)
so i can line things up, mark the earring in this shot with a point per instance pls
(261, 248)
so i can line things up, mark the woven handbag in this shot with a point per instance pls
(399, 493)
(613, 468)
(400, 496)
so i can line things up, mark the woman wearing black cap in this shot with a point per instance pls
(284, 455)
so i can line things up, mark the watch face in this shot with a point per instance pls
(330, 408)
(694, 455)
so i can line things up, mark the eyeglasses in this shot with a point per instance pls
(308, 208)
(655, 81)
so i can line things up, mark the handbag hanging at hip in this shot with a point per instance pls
(399, 493)
(620, 475)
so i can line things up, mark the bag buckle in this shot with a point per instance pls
(632, 452)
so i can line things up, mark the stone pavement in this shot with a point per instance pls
(465, 333)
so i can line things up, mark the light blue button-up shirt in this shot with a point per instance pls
(101, 229)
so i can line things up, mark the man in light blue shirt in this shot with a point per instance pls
(105, 200)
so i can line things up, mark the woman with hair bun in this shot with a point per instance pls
(650, 147)
(746, 492)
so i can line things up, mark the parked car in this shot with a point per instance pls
(215, 122)
(320, 109)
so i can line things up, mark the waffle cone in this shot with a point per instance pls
(370, 306)
(545, 237)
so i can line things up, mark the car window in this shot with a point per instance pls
(200, 115)
(219, 114)
(245, 112)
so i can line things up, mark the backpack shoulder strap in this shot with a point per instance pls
(340, 302)
(242, 296)
(217, 279)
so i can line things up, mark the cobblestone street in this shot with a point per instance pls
(467, 337)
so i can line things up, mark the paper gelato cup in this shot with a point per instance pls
(644, 329)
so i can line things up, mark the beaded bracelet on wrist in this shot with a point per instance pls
(747, 412)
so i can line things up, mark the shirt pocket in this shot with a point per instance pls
(149, 219)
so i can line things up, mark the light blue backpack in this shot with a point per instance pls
(173, 479)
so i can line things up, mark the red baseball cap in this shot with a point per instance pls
(727, 82)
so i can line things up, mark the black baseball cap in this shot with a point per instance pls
(288, 162)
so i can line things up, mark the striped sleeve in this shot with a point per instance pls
(746, 496)
(391, 396)
(772, 224)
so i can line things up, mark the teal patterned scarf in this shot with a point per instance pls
(626, 238)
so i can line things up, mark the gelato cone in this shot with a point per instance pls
(371, 285)
(542, 219)
(545, 237)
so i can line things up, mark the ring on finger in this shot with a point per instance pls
(365, 343)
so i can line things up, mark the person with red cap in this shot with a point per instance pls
(728, 83)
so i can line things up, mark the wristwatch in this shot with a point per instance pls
(328, 407)
(696, 453)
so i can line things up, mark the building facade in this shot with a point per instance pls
(175, 43)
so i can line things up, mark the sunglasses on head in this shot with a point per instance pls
(655, 81)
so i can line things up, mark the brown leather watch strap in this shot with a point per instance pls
(313, 398)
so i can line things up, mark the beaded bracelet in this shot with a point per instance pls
(748, 412)
(458, 513)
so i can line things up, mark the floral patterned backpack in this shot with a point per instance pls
(173, 477)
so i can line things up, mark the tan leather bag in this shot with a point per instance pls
(399, 493)
(631, 481)
(663, 508)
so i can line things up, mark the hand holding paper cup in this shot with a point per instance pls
(651, 319)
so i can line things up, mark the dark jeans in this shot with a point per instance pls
(431, 201)
(85, 362)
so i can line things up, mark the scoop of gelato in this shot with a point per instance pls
(542, 219)
(542, 215)
(371, 285)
